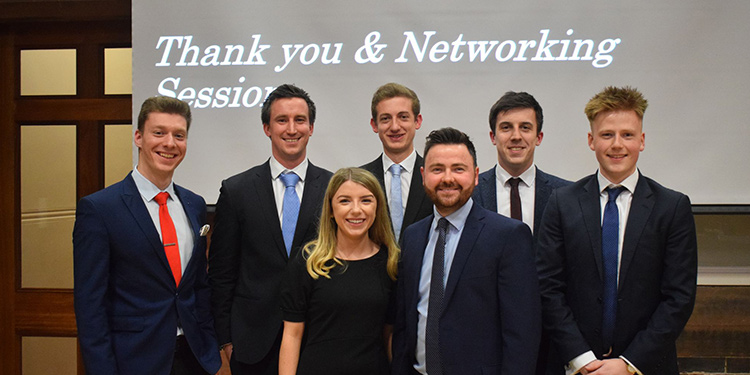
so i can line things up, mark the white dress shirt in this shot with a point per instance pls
(407, 166)
(526, 190)
(278, 186)
(185, 236)
(456, 222)
(623, 201)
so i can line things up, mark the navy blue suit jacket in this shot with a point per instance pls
(248, 257)
(126, 302)
(657, 283)
(486, 192)
(418, 206)
(491, 314)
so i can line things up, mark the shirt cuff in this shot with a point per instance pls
(631, 366)
(577, 363)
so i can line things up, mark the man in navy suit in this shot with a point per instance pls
(467, 294)
(516, 130)
(143, 305)
(395, 118)
(617, 255)
(249, 247)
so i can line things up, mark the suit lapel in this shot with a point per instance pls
(133, 201)
(591, 211)
(314, 187)
(541, 195)
(640, 210)
(489, 195)
(267, 202)
(378, 171)
(417, 196)
(193, 213)
(415, 254)
(472, 228)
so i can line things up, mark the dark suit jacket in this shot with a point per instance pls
(491, 318)
(418, 206)
(486, 192)
(486, 195)
(248, 257)
(658, 271)
(126, 302)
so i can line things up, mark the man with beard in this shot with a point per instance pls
(462, 301)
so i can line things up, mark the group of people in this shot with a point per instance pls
(410, 264)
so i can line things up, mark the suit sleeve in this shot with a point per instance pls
(91, 264)
(678, 287)
(557, 317)
(520, 308)
(224, 262)
(401, 362)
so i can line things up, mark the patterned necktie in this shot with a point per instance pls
(515, 199)
(433, 362)
(290, 208)
(396, 207)
(610, 255)
(169, 237)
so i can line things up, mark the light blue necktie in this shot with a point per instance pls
(396, 207)
(610, 252)
(290, 208)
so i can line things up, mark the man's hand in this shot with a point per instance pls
(226, 354)
(613, 366)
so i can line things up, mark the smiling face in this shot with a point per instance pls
(449, 176)
(515, 138)
(617, 139)
(289, 129)
(396, 126)
(354, 210)
(161, 146)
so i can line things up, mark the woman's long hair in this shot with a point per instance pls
(321, 252)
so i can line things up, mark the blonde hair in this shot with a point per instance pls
(616, 98)
(320, 253)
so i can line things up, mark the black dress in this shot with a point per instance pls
(344, 316)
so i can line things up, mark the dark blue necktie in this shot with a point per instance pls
(290, 208)
(610, 255)
(433, 363)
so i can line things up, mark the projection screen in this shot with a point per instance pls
(688, 57)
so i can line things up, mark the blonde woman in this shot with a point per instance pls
(338, 294)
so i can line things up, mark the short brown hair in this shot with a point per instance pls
(616, 98)
(164, 104)
(393, 90)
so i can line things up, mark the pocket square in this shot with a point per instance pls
(204, 230)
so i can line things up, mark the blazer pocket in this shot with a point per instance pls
(127, 323)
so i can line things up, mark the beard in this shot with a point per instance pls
(449, 202)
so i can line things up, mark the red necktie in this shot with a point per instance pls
(169, 237)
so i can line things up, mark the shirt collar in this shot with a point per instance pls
(147, 189)
(457, 218)
(407, 164)
(629, 183)
(277, 169)
(527, 177)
